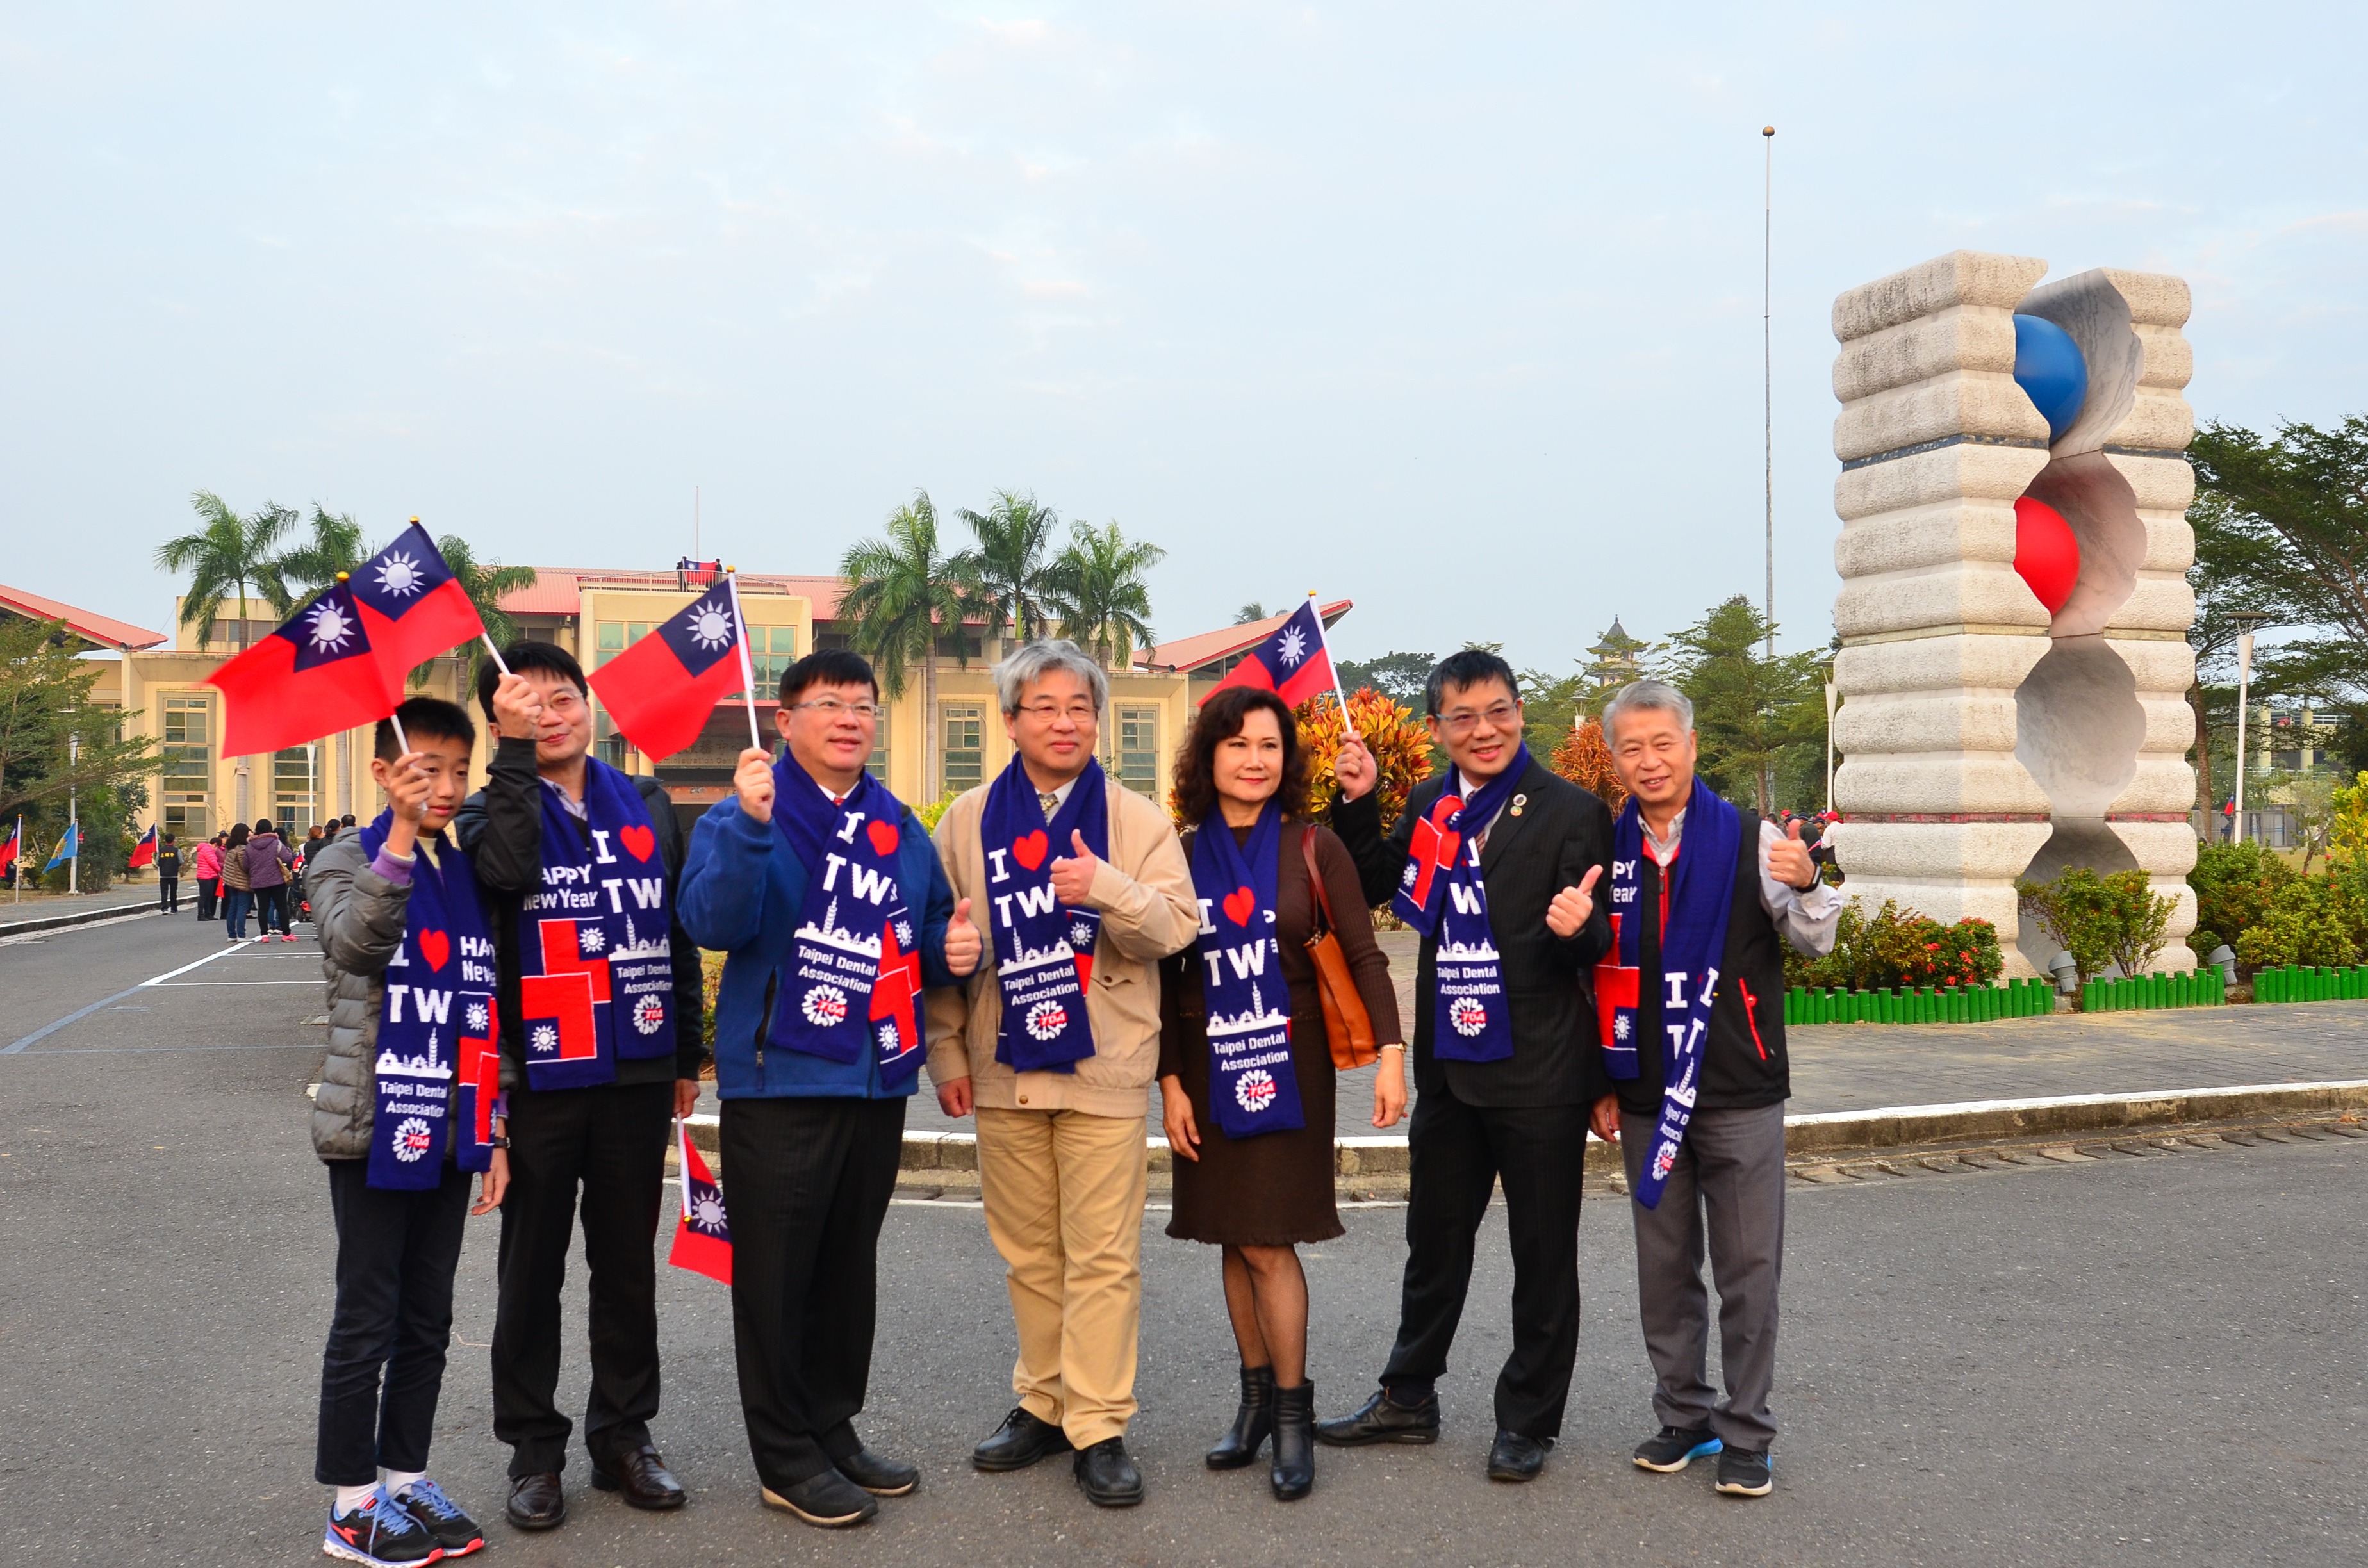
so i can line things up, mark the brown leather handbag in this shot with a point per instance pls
(1347, 1024)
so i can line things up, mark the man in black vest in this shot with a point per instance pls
(1731, 1162)
(1521, 1119)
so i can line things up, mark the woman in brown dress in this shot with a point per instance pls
(1257, 1196)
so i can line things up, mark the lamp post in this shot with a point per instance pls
(2246, 622)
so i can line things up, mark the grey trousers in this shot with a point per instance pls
(1731, 1166)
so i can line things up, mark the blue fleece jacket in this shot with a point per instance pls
(740, 893)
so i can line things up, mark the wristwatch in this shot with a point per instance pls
(499, 1142)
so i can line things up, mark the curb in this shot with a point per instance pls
(79, 917)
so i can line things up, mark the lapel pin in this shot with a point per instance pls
(1519, 801)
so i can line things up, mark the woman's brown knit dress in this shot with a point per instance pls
(1274, 1190)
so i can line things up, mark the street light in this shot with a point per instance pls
(2246, 622)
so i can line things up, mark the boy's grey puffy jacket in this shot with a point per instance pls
(358, 916)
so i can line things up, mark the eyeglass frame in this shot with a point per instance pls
(831, 707)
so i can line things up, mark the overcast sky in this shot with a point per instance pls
(1453, 310)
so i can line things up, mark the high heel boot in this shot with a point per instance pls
(1294, 1442)
(1252, 1423)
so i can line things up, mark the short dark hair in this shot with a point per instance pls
(1470, 668)
(1221, 719)
(524, 657)
(428, 717)
(263, 824)
(828, 666)
(346, 821)
(168, 838)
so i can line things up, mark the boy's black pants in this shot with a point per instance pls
(168, 898)
(396, 1255)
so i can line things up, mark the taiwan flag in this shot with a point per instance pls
(314, 676)
(661, 690)
(9, 849)
(1295, 663)
(413, 607)
(703, 1240)
(144, 852)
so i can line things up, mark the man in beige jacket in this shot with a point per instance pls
(1061, 1147)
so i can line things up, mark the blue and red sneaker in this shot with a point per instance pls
(441, 1517)
(380, 1533)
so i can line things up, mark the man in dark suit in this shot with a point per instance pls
(1522, 1119)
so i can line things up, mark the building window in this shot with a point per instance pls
(609, 742)
(185, 790)
(1138, 749)
(295, 789)
(771, 651)
(615, 636)
(876, 764)
(963, 762)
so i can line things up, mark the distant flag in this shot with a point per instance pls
(413, 607)
(660, 692)
(144, 852)
(68, 848)
(702, 1241)
(8, 850)
(314, 676)
(1295, 663)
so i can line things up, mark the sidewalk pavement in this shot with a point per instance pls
(35, 908)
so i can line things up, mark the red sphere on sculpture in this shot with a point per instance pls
(2046, 551)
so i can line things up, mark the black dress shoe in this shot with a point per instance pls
(829, 1500)
(1294, 1442)
(536, 1501)
(640, 1476)
(1021, 1442)
(1516, 1458)
(1382, 1419)
(1108, 1475)
(1252, 1422)
(881, 1476)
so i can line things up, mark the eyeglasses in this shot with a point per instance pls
(830, 708)
(1500, 716)
(1048, 713)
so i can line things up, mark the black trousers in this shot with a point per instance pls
(168, 898)
(272, 910)
(806, 1185)
(396, 1255)
(609, 1142)
(1459, 1152)
(208, 889)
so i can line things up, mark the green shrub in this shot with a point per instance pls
(2234, 885)
(2312, 920)
(2099, 920)
(1898, 947)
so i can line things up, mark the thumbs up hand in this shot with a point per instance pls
(1788, 860)
(1572, 906)
(963, 943)
(1073, 877)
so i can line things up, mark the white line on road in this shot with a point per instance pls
(218, 984)
(75, 1016)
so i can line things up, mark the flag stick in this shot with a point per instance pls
(497, 653)
(682, 1164)
(1347, 725)
(402, 740)
(748, 674)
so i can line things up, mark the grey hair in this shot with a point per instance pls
(1031, 662)
(1649, 696)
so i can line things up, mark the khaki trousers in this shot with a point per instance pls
(1063, 1195)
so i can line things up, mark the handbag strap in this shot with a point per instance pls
(1314, 876)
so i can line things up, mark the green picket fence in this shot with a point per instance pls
(1925, 1004)
(2302, 982)
(2147, 993)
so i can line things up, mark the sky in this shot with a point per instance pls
(1454, 310)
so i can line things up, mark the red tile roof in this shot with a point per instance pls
(1190, 653)
(98, 629)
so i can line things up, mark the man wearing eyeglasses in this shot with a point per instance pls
(1493, 1102)
(822, 889)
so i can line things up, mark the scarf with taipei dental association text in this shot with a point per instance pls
(436, 1027)
(1252, 1085)
(1043, 949)
(855, 966)
(1442, 894)
(596, 970)
(1700, 887)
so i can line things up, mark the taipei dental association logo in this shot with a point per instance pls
(1047, 1019)
(1255, 1089)
(1665, 1159)
(648, 1014)
(824, 1006)
(1468, 1017)
(413, 1139)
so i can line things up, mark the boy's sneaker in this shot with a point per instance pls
(1743, 1473)
(452, 1529)
(381, 1533)
(1675, 1448)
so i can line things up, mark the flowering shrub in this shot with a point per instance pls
(1898, 947)
(1584, 759)
(2117, 919)
(1400, 744)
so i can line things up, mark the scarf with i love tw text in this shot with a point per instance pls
(1252, 1087)
(1442, 894)
(1044, 949)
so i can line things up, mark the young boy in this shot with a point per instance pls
(405, 1111)
(168, 876)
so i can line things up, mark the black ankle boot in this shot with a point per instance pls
(1252, 1422)
(1294, 1442)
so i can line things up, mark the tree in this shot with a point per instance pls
(2289, 521)
(1749, 710)
(1401, 678)
(901, 589)
(54, 744)
(1550, 707)
(1584, 759)
(1097, 592)
(1252, 611)
(486, 584)
(225, 557)
(336, 546)
(2239, 572)
(1007, 579)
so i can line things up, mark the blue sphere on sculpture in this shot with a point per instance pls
(2050, 370)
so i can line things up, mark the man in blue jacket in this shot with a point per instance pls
(834, 912)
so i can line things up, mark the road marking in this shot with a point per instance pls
(218, 984)
(48, 1029)
(69, 930)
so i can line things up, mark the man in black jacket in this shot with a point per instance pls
(1730, 1160)
(607, 1140)
(1520, 1119)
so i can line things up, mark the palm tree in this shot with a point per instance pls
(901, 589)
(486, 584)
(1097, 590)
(227, 556)
(336, 546)
(1006, 578)
(1248, 613)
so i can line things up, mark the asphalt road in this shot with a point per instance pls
(2137, 1360)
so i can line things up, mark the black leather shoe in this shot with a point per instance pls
(1382, 1419)
(1294, 1442)
(536, 1501)
(1021, 1442)
(640, 1476)
(1252, 1423)
(829, 1500)
(1108, 1475)
(1516, 1458)
(878, 1475)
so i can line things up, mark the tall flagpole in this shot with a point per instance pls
(1768, 404)
(73, 818)
(748, 673)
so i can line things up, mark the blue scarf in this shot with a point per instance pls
(1252, 1087)
(596, 974)
(1699, 889)
(852, 977)
(1443, 895)
(1043, 949)
(437, 1010)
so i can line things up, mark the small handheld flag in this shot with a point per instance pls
(660, 692)
(9, 849)
(1295, 663)
(702, 1241)
(68, 848)
(314, 676)
(144, 852)
(413, 607)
